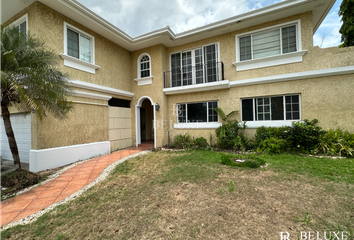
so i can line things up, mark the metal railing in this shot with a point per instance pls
(191, 75)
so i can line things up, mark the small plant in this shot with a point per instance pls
(200, 143)
(221, 113)
(231, 135)
(231, 186)
(248, 163)
(183, 141)
(272, 145)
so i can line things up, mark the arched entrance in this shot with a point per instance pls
(145, 124)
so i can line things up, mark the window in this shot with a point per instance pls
(271, 108)
(268, 43)
(197, 112)
(144, 66)
(271, 46)
(78, 45)
(21, 24)
(116, 102)
(79, 49)
(195, 66)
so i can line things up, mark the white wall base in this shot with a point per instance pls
(49, 158)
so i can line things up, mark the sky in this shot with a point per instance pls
(137, 17)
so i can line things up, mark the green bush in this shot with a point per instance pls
(336, 141)
(200, 143)
(183, 141)
(273, 145)
(248, 163)
(264, 133)
(231, 136)
(304, 136)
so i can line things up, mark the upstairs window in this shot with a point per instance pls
(78, 44)
(271, 108)
(268, 43)
(144, 64)
(195, 66)
(21, 24)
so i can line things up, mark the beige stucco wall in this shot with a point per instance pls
(119, 127)
(154, 90)
(328, 99)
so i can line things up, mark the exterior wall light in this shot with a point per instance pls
(157, 106)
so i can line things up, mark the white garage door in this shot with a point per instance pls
(21, 124)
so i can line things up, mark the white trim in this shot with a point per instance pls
(21, 20)
(138, 66)
(197, 125)
(270, 61)
(49, 158)
(274, 123)
(137, 120)
(91, 95)
(76, 63)
(96, 87)
(88, 103)
(144, 81)
(294, 76)
(210, 86)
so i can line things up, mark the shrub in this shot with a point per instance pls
(336, 141)
(264, 133)
(183, 141)
(231, 135)
(200, 143)
(304, 136)
(273, 145)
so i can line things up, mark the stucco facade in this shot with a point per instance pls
(322, 78)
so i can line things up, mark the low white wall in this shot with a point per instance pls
(49, 158)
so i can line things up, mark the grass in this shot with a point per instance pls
(190, 195)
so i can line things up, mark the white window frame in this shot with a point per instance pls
(193, 62)
(199, 125)
(271, 123)
(271, 60)
(146, 80)
(77, 63)
(20, 20)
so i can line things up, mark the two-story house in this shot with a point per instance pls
(154, 86)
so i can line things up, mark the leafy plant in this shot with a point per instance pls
(183, 141)
(200, 143)
(273, 145)
(231, 135)
(221, 113)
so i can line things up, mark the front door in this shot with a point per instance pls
(143, 124)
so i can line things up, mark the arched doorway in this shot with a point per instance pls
(145, 124)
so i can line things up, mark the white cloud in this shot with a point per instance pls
(136, 17)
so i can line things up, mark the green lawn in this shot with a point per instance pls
(190, 195)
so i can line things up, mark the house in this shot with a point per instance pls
(159, 84)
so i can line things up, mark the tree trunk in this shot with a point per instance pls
(10, 136)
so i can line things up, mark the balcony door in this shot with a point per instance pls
(195, 66)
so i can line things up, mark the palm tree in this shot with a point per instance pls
(30, 80)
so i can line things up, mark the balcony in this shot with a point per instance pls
(191, 75)
(202, 77)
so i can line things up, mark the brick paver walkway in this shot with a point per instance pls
(67, 183)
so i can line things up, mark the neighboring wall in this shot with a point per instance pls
(88, 122)
(120, 127)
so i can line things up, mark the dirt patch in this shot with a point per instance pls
(18, 180)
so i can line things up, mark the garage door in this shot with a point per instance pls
(21, 124)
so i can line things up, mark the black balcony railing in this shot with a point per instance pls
(190, 75)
